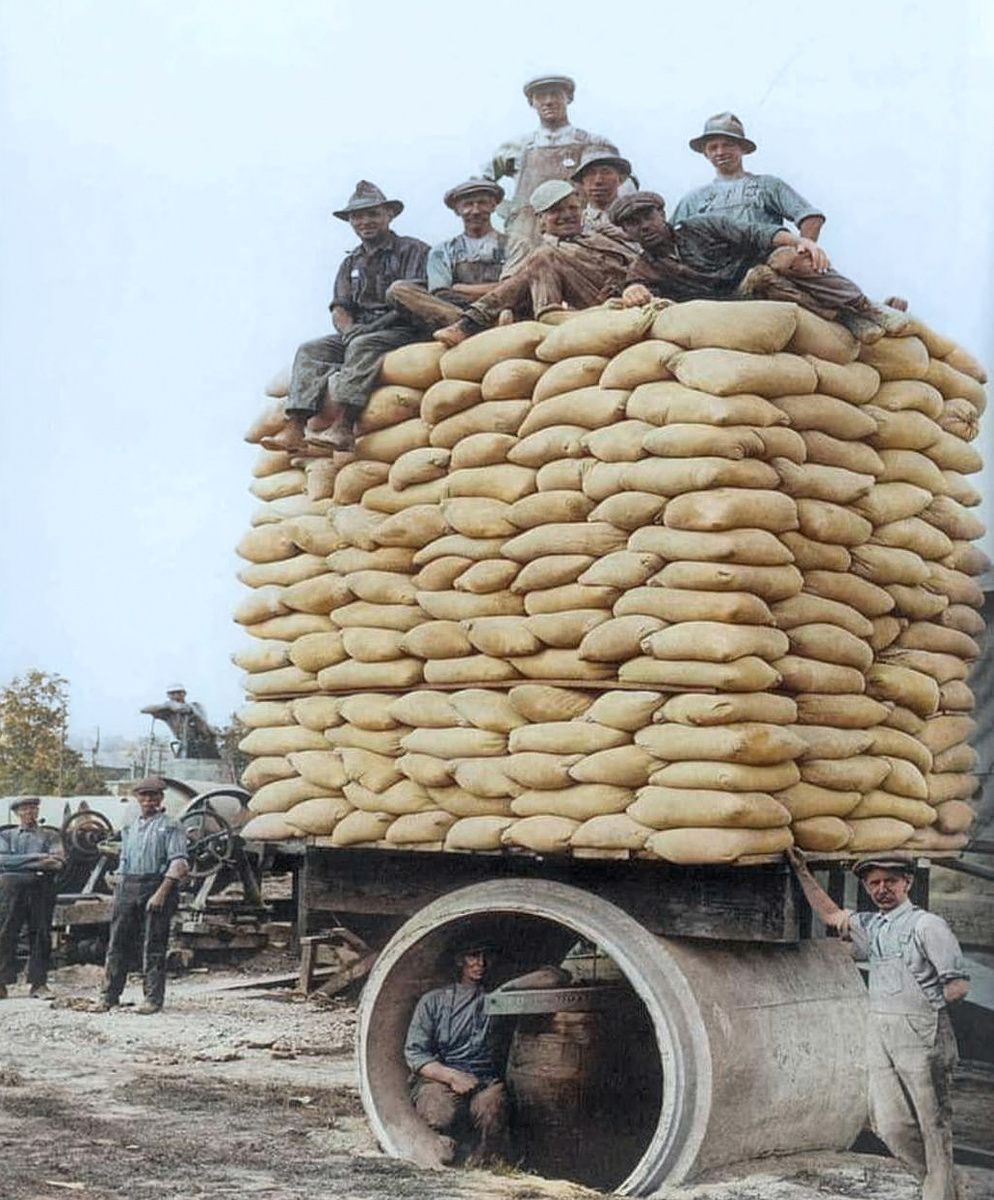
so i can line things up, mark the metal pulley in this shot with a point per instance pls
(83, 833)
(210, 840)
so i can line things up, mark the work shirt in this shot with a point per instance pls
(709, 257)
(150, 844)
(366, 273)
(762, 198)
(567, 139)
(450, 1027)
(925, 943)
(606, 250)
(19, 846)
(489, 252)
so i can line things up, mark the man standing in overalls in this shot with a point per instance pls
(553, 151)
(916, 971)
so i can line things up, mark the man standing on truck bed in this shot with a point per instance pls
(30, 857)
(916, 972)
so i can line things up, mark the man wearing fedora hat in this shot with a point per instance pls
(465, 267)
(601, 174)
(332, 376)
(553, 151)
(736, 193)
(916, 971)
(570, 267)
(152, 865)
(31, 856)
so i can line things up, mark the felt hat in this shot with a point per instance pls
(151, 784)
(550, 81)
(469, 188)
(550, 193)
(724, 124)
(891, 860)
(605, 156)
(624, 206)
(23, 802)
(368, 195)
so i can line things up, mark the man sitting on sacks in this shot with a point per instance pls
(570, 267)
(553, 151)
(464, 268)
(711, 257)
(332, 376)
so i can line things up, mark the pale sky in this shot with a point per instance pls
(169, 169)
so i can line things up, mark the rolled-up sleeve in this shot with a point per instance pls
(176, 846)
(939, 945)
(858, 937)
(420, 1046)
(439, 268)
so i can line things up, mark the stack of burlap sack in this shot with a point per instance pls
(712, 562)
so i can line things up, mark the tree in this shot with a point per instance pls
(34, 757)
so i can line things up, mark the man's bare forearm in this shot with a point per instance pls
(821, 902)
(810, 227)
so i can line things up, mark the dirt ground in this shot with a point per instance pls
(253, 1094)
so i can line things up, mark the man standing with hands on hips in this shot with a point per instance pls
(153, 864)
(916, 971)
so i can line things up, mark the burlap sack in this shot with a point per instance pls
(404, 796)
(710, 441)
(601, 331)
(671, 403)
(387, 499)
(541, 770)
(879, 803)
(387, 445)
(903, 686)
(861, 773)
(477, 833)
(951, 785)
(630, 510)
(963, 619)
(827, 414)
(812, 481)
(475, 356)
(455, 743)
(356, 478)
(758, 326)
(372, 712)
(959, 418)
(349, 676)
(389, 404)
(459, 552)
(579, 802)
(286, 572)
(361, 829)
(481, 450)
(415, 366)
(562, 473)
(603, 480)
(380, 741)
(878, 833)
(624, 766)
(501, 637)
(436, 640)
(850, 590)
(832, 524)
(475, 516)
(913, 533)
(484, 577)
(592, 408)
(266, 544)
(615, 831)
(569, 374)
(593, 538)
(414, 527)
(361, 614)
(550, 444)
(618, 639)
(893, 743)
(823, 833)
(289, 482)
(749, 547)
(564, 737)
(486, 710)
(753, 743)
(450, 396)
(824, 741)
(833, 452)
(732, 508)
(269, 827)
(559, 664)
(260, 714)
(967, 559)
(381, 587)
(725, 776)
(669, 808)
(644, 362)
(941, 667)
(954, 816)
(505, 482)
(750, 674)
(321, 767)
(886, 631)
(565, 630)
(897, 357)
(459, 803)
(673, 476)
(282, 794)
(725, 710)
(807, 609)
(482, 777)
(464, 606)
(375, 772)
(318, 817)
(807, 800)
(911, 466)
(570, 597)
(489, 416)
(769, 583)
(317, 712)
(930, 839)
(953, 381)
(542, 508)
(905, 720)
(671, 604)
(705, 845)
(289, 627)
(735, 372)
(543, 835)
(856, 382)
(715, 641)
(621, 569)
(540, 703)
(262, 656)
(268, 769)
(826, 339)
(830, 644)
(283, 681)
(428, 770)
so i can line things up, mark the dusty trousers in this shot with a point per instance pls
(133, 927)
(354, 360)
(26, 899)
(911, 1059)
(478, 1119)
(547, 278)
(431, 309)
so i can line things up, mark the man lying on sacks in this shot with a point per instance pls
(332, 376)
(916, 971)
(711, 257)
(464, 268)
(570, 267)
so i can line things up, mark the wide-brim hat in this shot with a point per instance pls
(562, 81)
(724, 124)
(368, 195)
(469, 188)
(23, 802)
(624, 206)
(893, 860)
(151, 784)
(605, 156)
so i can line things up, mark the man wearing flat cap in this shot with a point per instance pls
(332, 376)
(188, 722)
(553, 151)
(916, 971)
(737, 194)
(569, 267)
(601, 174)
(465, 267)
(718, 257)
(152, 866)
(31, 856)
(456, 1086)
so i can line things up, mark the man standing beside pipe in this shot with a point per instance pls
(916, 971)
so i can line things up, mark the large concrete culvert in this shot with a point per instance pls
(735, 1050)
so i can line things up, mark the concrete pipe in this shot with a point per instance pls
(743, 1050)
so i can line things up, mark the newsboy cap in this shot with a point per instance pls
(625, 206)
(23, 802)
(469, 188)
(724, 124)
(367, 195)
(548, 194)
(551, 81)
(151, 784)
(891, 860)
(605, 156)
